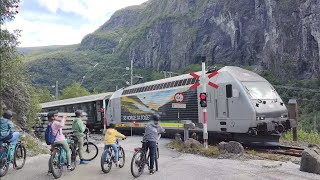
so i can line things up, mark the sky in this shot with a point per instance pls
(62, 22)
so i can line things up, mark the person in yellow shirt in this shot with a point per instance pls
(110, 140)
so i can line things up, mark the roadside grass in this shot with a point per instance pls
(273, 157)
(303, 136)
(33, 146)
(212, 151)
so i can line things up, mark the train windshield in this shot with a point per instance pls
(260, 90)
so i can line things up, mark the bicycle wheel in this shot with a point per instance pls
(19, 158)
(90, 151)
(106, 161)
(55, 164)
(73, 155)
(156, 161)
(158, 154)
(4, 164)
(122, 157)
(137, 163)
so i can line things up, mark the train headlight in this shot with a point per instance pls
(260, 118)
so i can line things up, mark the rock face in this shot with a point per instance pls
(231, 147)
(168, 34)
(310, 160)
(191, 143)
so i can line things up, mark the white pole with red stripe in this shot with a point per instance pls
(204, 110)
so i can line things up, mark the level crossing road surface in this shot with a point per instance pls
(172, 165)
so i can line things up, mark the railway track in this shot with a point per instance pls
(285, 150)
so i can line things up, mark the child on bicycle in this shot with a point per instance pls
(151, 136)
(78, 128)
(110, 140)
(60, 138)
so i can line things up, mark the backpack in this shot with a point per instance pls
(50, 138)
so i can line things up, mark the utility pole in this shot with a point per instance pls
(131, 73)
(57, 91)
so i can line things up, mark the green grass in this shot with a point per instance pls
(303, 136)
(212, 151)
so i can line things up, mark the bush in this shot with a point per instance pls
(303, 136)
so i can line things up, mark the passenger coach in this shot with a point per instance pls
(93, 105)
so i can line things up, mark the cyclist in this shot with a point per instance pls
(79, 128)
(60, 138)
(110, 140)
(151, 136)
(6, 129)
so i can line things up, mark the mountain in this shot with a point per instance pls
(281, 36)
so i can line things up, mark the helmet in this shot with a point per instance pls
(78, 113)
(156, 117)
(8, 114)
(51, 114)
(111, 125)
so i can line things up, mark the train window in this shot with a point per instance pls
(181, 82)
(188, 81)
(176, 83)
(161, 86)
(154, 87)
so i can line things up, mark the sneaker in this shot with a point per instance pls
(151, 171)
(69, 167)
(83, 162)
(49, 173)
(116, 163)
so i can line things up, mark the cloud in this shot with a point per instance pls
(39, 33)
(89, 9)
(52, 25)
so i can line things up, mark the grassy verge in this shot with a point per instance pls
(212, 151)
(33, 146)
(268, 156)
(303, 136)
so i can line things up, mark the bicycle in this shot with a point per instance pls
(10, 155)
(88, 148)
(58, 158)
(108, 156)
(141, 157)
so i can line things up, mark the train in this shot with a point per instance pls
(245, 107)
(93, 105)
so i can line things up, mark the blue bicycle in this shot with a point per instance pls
(10, 154)
(58, 158)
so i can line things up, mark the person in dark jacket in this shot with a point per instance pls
(151, 136)
(6, 129)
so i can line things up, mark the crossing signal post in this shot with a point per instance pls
(203, 99)
(203, 81)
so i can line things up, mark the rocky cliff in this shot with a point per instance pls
(281, 35)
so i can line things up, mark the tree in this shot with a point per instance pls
(43, 95)
(74, 90)
(16, 92)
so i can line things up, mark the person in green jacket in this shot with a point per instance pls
(79, 128)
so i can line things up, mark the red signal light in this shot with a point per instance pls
(203, 96)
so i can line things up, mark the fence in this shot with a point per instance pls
(42, 122)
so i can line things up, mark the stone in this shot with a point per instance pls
(192, 143)
(231, 147)
(310, 160)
